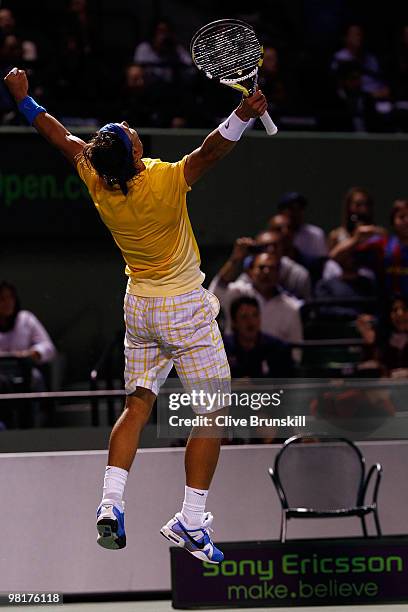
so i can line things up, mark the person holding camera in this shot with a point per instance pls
(386, 256)
(279, 311)
(293, 278)
(358, 209)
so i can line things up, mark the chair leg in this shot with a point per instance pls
(283, 527)
(364, 526)
(377, 523)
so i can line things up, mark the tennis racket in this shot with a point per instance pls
(228, 50)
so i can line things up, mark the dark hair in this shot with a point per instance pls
(243, 300)
(348, 198)
(398, 206)
(290, 198)
(385, 326)
(10, 321)
(154, 23)
(108, 155)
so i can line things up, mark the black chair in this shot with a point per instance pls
(15, 377)
(110, 366)
(324, 477)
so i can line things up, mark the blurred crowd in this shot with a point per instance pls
(295, 303)
(334, 68)
(346, 292)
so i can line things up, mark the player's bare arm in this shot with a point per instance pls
(49, 127)
(216, 146)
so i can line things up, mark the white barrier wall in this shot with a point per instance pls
(48, 539)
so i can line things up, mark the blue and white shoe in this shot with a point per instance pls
(110, 525)
(196, 541)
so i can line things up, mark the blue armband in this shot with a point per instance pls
(30, 109)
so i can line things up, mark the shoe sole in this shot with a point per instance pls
(108, 536)
(173, 537)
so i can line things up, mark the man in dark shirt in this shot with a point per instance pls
(351, 285)
(250, 352)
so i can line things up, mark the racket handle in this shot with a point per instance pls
(269, 125)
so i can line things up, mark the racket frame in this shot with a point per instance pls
(247, 83)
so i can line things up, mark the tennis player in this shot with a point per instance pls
(169, 316)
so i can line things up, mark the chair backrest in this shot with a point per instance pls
(15, 373)
(320, 472)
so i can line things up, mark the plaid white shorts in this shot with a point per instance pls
(179, 330)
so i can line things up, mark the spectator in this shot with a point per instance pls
(73, 72)
(162, 56)
(398, 69)
(7, 21)
(358, 209)
(354, 51)
(350, 108)
(11, 54)
(387, 344)
(309, 239)
(22, 336)
(146, 103)
(274, 84)
(251, 353)
(79, 23)
(137, 102)
(292, 277)
(399, 66)
(279, 312)
(8, 26)
(350, 285)
(283, 224)
(386, 255)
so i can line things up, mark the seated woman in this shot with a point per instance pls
(23, 336)
(358, 209)
(387, 343)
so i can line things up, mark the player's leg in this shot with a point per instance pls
(124, 439)
(201, 363)
(123, 444)
(202, 454)
(145, 367)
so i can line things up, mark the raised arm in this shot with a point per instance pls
(361, 234)
(49, 127)
(222, 140)
(234, 265)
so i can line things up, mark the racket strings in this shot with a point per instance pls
(224, 52)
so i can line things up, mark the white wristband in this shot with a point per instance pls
(233, 127)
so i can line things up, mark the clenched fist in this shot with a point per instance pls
(252, 106)
(17, 83)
